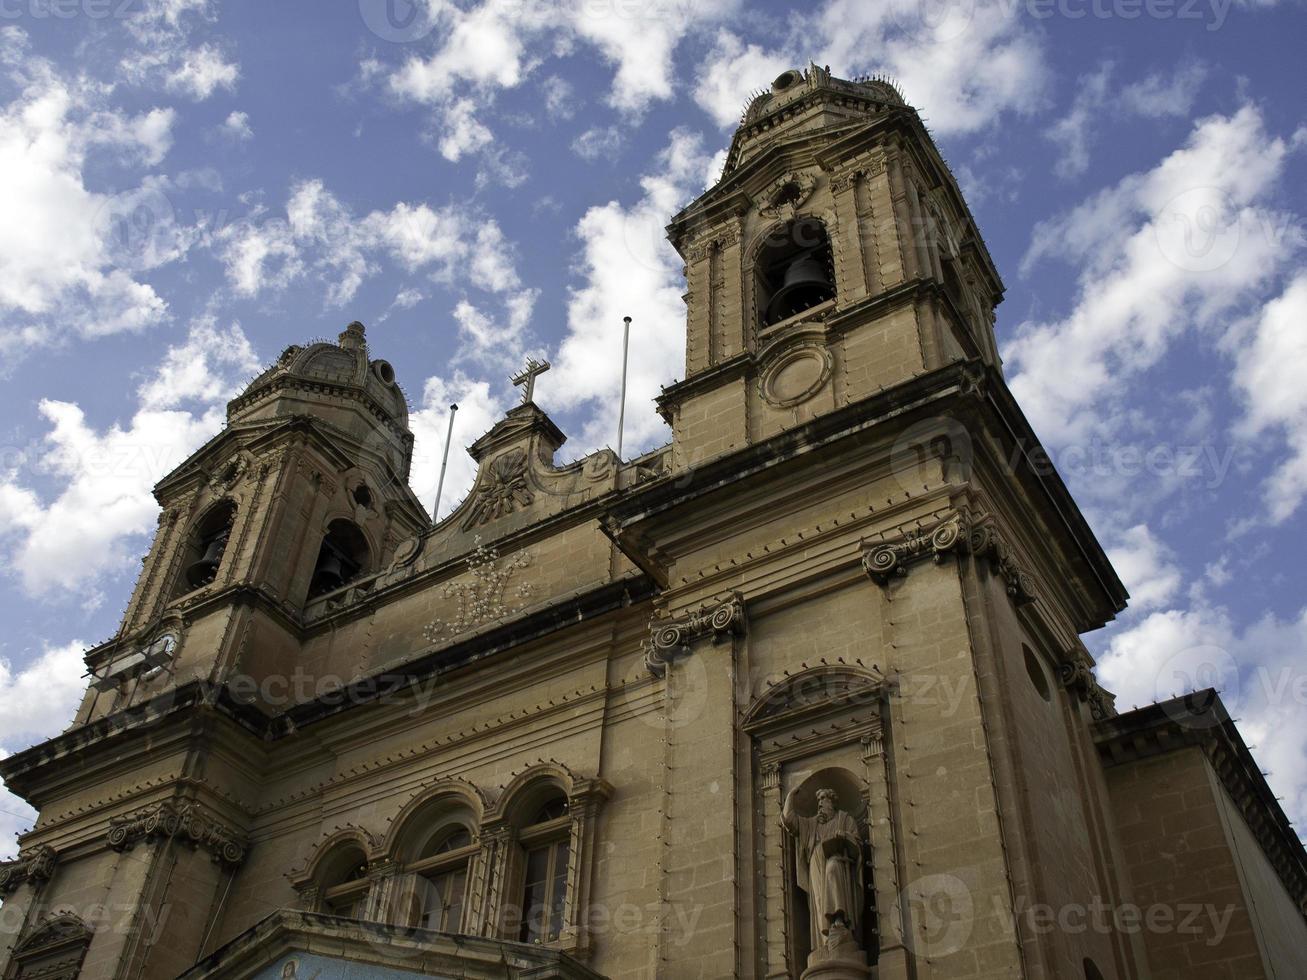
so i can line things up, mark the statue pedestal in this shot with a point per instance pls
(848, 963)
(840, 959)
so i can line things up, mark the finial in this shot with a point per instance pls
(353, 337)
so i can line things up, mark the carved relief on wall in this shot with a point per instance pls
(485, 593)
(503, 490)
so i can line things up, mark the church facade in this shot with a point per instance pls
(800, 694)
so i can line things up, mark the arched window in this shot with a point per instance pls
(440, 874)
(794, 271)
(1092, 972)
(342, 558)
(546, 850)
(205, 547)
(344, 882)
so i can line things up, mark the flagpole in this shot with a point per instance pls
(621, 412)
(440, 486)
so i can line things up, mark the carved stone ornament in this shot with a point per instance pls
(180, 820)
(503, 489)
(484, 595)
(1078, 677)
(787, 194)
(845, 179)
(954, 532)
(715, 242)
(986, 541)
(891, 558)
(671, 636)
(37, 866)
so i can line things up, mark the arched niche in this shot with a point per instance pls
(820, 728)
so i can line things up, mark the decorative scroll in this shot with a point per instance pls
(502, 491)
(36, 867)
(174, 820)
(885, 561)
(1078, 677)
(986, 541)
(954, 533)
(671, 636)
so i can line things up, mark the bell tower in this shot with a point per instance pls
(834, 258)
(303, 494)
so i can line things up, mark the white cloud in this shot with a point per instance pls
(1269, 374)
(237, 126)
(495, 45)
(963, 65)
(202, 72)
(598, 141)
(68, 256)
(1074, 129)
(1161, 252)
(104, 509)
(1157, 95)
(478, 410)
(37, 701)
(1145, 565)
(1154, 96)
(630, 270)
(321, 233)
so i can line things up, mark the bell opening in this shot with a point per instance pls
(795, 271)
(342, 558)
(207, 544)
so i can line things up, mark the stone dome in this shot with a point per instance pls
(342, 368)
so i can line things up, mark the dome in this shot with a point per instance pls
(334, 368)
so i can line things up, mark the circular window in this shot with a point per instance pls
(1036, 672)
(384, 371)
(362, 495)
(786, 79)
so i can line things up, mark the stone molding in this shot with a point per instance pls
(36, 867)
(178, 820)
(668, 637)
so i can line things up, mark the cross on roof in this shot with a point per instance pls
(527, 377)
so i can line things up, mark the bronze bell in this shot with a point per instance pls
(805, 285)
(205, 568)
(329, 575)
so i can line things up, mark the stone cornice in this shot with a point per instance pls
(668, 637)
(1077, 676)
(181, 820)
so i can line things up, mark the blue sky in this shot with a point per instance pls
(191, 186)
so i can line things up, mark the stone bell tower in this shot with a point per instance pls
(305, 490)
(834, 258)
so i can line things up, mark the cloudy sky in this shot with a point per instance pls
(189, 186)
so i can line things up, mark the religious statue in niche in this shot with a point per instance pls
(828, 867)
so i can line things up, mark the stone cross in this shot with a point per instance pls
(527, 377)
